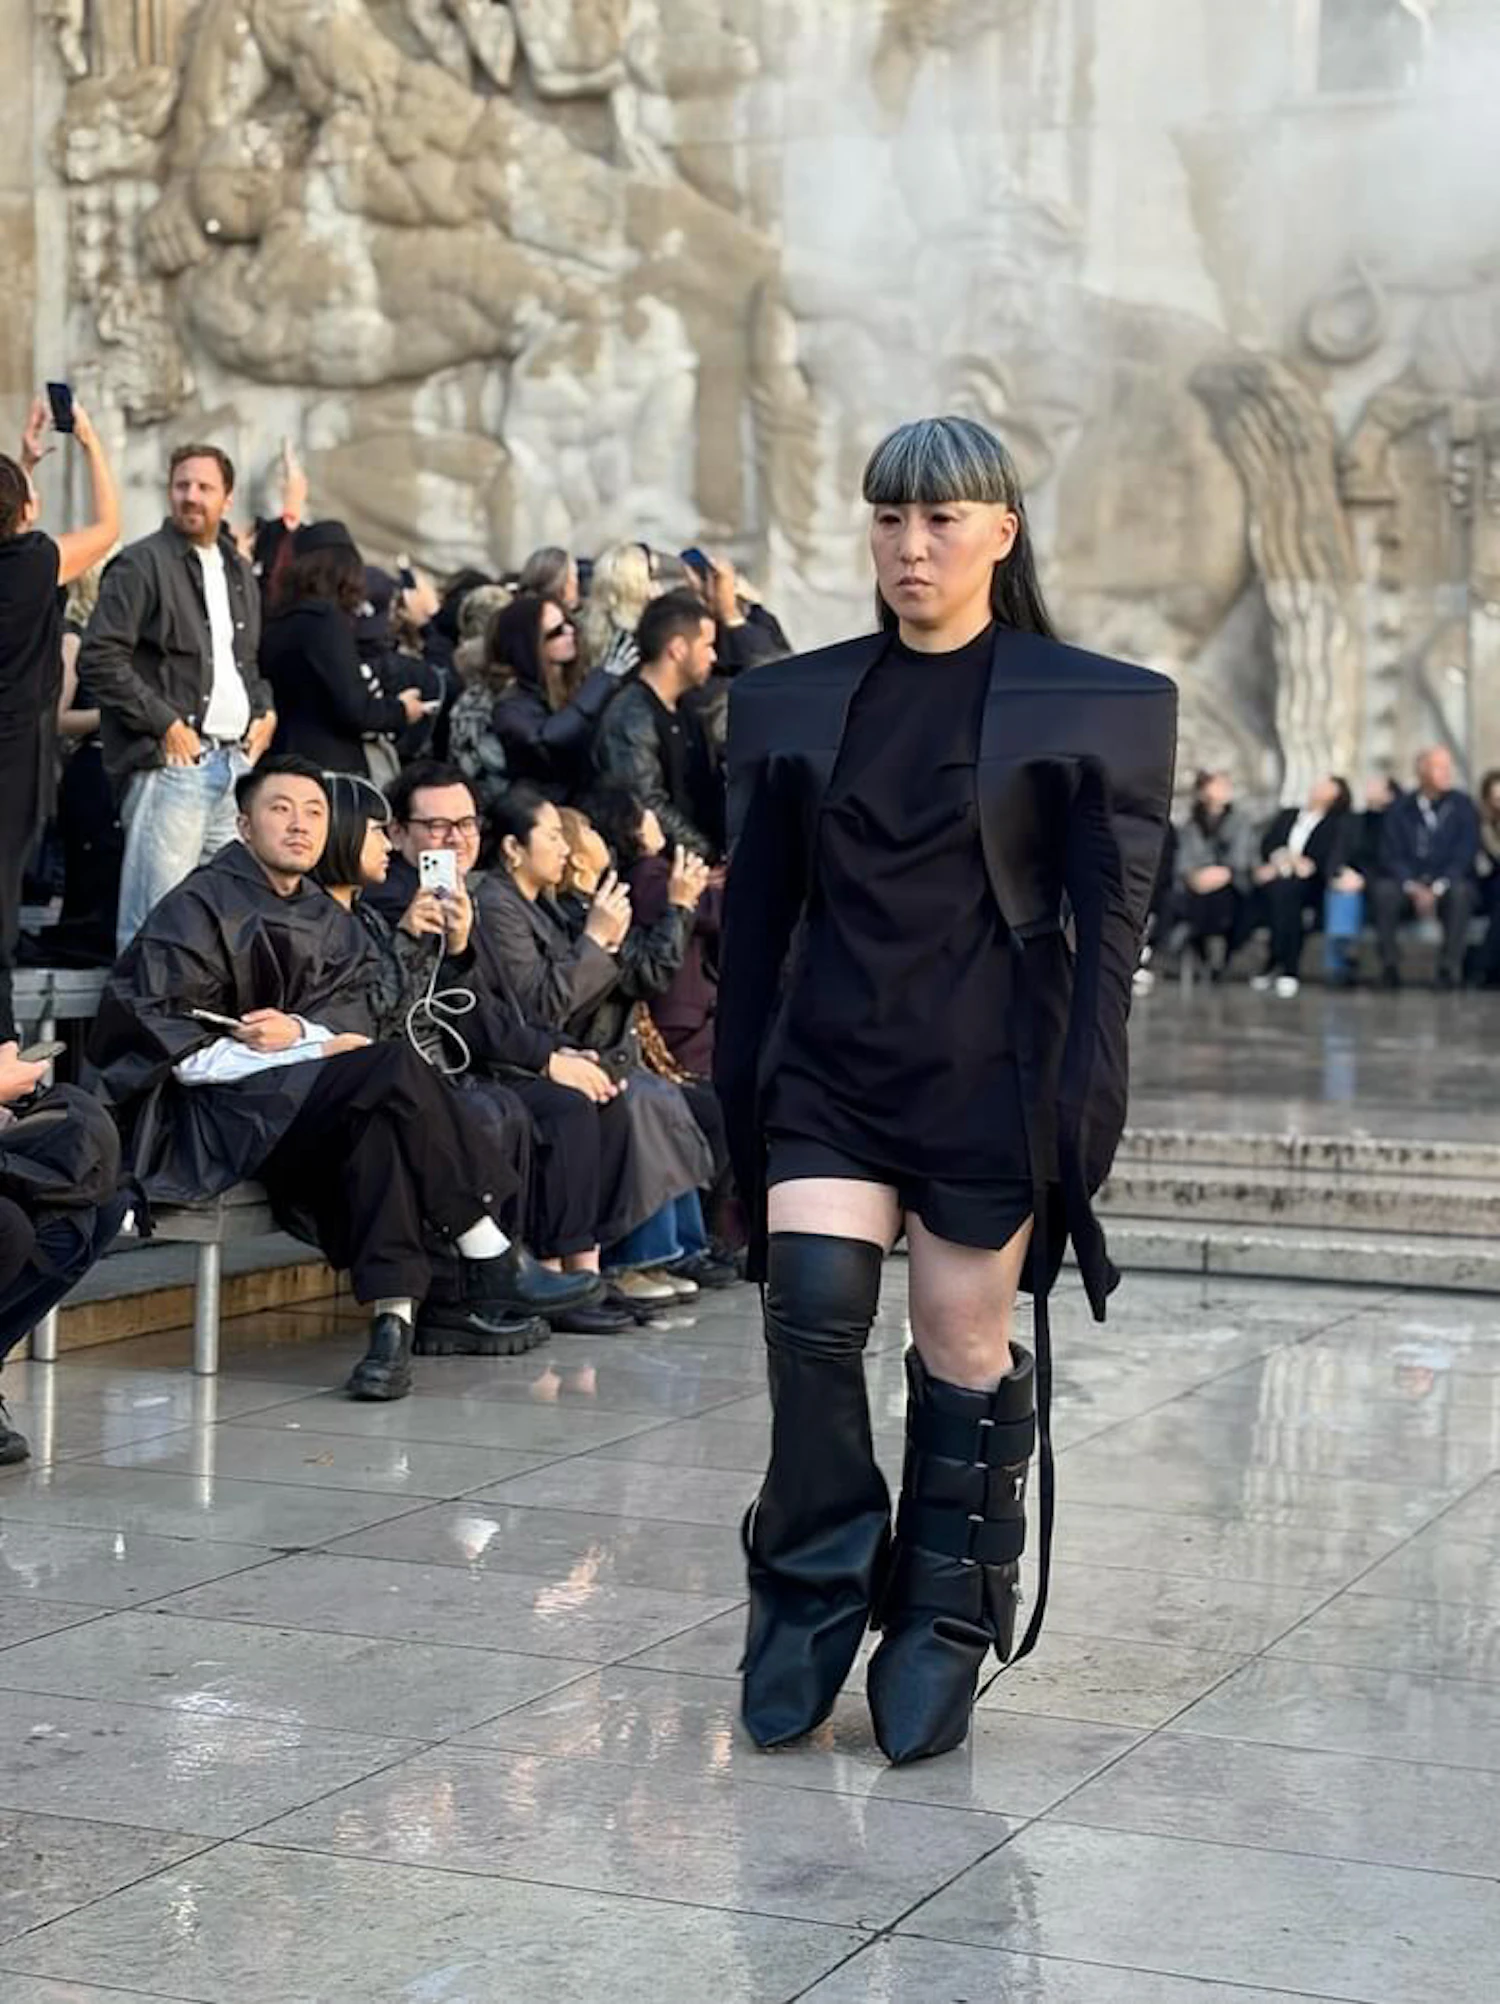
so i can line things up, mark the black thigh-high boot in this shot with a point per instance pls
(817, 1535)
(954, 1581)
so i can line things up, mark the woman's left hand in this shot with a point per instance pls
(458, 919)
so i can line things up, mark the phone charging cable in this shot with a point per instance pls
(429, 1025)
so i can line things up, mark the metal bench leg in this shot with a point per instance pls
(44, 1339)
(206, 1311)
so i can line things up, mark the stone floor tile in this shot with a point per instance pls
(187, 1772)
(897, 1970)
(22, 1620)
(617, 1551)
(1381, 1812)
(710, 1648)
(1438, 1564)
(1216, 1614)
(543, 1431)
(104, 1387)
(210, 1507)
(303, 1458)
(1225, 1913)
(1433, 1638)
(1301, 1554)
(631, 1489)
(801, 1854)
(575, 1615)
(110, 1568)
(282, 1927)
(50, 1865)
(1281, 1702)
(1107, 1680)
(682, 1724)
(229, 1669)
(19, 1989)
(731, 1445)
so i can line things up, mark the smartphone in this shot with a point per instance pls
(219, 1022)
(697, 560)
(406, 577)
(60, 396)
(430, 710)
(40, 1054)
(437, 870)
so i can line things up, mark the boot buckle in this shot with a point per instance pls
(976, 1518)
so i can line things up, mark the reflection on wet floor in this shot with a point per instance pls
(304, 1702)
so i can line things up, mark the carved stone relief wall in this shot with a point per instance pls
(571, 270)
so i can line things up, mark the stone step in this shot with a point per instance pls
(1376, 1259)
(1412, 1204)
(1309, 1154)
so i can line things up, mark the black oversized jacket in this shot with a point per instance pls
(1074, 788)
(326, 701)
(147, 655)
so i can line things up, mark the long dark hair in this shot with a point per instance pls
(334, 575)
(617, 814)
(949, 459)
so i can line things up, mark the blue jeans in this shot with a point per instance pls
(676, 1231)
(175, 818)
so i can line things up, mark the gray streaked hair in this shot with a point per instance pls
(934, 460)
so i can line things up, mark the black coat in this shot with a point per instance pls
(551, 747)
(223, 940)
(1074, 790)
(1330, 847)
(1411, 852)
(326, 699)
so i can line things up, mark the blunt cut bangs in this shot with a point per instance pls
(938, 460)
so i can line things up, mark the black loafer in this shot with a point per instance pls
(14, 1447)
(706, 1271)
(596, 1318)
(384, 1372)
(446, 1329)
(517, 1284)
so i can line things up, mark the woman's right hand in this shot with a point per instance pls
(609, 914)
(414, 704)
(424, 916)
(688, 881)
(580, 1072)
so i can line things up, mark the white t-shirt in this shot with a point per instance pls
(1303, 829)
(228, 711)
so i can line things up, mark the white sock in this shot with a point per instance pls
(483, 1240)
(395, 1304)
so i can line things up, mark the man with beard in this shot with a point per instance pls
(170, 654)
(233, 1042)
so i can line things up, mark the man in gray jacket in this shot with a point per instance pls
(170, 656)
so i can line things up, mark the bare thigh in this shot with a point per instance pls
(963, 1302)
(835, 1207)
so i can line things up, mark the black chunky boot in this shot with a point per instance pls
(954, 1582)
(384, 1372)
(817, 1536)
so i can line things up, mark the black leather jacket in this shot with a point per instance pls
(147, 655)
(629, 751)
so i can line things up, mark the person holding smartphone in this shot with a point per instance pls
(33, 568)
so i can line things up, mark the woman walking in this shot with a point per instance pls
(906, 1032)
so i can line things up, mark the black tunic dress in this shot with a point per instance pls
(898, 1059)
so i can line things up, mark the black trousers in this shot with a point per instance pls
(1489, 953)
(1455, 909)
(380, 1145)
(1286, 901)
(1210, 915)
(580, 1149)
(44, 1258)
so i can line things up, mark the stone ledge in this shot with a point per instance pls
(1376, 1259)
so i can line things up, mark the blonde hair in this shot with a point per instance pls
(588, 852)
(619, 591)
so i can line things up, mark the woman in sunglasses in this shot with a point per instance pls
(529, 713)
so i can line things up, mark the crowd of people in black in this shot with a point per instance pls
(469, 842)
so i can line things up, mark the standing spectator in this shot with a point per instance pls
(1215, 857)
(1428, 850)
(1302, 851)
(327, 703)
(33, 566)
(531, 712)
(651, 743)
(1487, 869)
(624, 582)
(552, 573)
(171, 658)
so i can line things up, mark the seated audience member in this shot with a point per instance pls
(327, 701)
(1215, 857)
(361, 1146)
(1429, 844)
(623, 583)
(586, 985)
(60, 1203)
(529, 714)
(552, 573)
(577, 1138)
(684, 1011)
(651, 743)
(1487, 871)
(171, 656)
(1302, 851)
(33, 566)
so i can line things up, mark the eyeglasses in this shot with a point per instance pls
(439, 827)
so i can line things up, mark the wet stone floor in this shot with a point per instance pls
(303, 1702)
